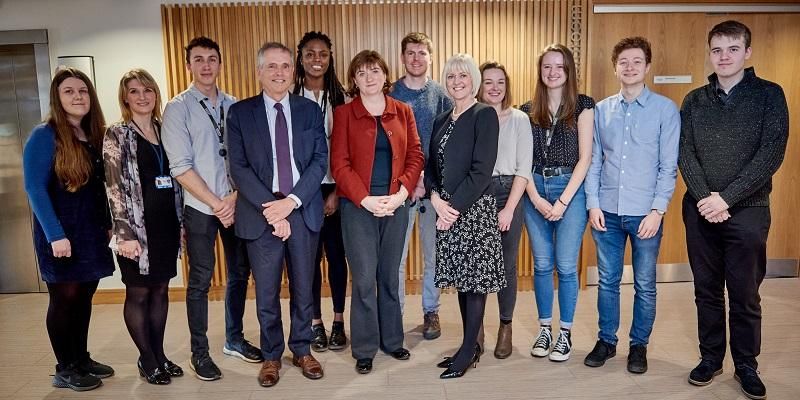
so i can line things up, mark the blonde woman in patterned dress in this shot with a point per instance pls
(146, 208)
(469, 256)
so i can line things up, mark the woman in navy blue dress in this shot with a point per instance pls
(64, 176)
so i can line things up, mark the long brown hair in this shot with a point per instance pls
(73, 164)
(540, 112)
(147, 81)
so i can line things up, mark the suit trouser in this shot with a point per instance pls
(267, 254)
(730, 254)
(201, 236)
(373, 247)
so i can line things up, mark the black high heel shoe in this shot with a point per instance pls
(446, 363)
(450, 373)
(157, 377)
(172, 369)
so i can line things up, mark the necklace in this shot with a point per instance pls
(456, 115)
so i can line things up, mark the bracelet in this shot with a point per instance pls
(562, 202)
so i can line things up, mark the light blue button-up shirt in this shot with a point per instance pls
(634, 154)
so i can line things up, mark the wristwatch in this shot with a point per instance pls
(661, 213)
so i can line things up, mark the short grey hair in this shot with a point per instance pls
(271, 46)
(463, 62)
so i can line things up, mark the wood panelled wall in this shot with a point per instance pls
(511, 32)
(679, 48)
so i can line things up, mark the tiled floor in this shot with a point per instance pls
(27, 359)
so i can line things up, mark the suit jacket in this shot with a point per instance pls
(353, 148)
(250, 153)
(470, 156)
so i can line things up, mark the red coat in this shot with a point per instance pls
(353, 148)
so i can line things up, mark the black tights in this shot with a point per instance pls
(68, 316)
(146, 317)
(472, 306)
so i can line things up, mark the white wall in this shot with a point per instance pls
(119, 34)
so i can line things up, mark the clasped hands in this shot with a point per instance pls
(384, 206)
(714, 208)
(225, 209)
(276, 212)
(446, 214)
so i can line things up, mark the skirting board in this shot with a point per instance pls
(681, 272)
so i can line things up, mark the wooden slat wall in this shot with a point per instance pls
(512, 32)
(679, 48)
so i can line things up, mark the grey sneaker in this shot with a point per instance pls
(563, 347)
(541, 346)
(431, 330)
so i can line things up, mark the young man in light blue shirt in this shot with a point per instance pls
(628, 187)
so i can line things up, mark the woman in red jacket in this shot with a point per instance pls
(376, 160)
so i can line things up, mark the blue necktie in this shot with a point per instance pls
(285, 182)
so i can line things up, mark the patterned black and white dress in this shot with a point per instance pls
(469, 255)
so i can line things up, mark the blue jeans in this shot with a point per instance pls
(427, 235)
(610, 259)
(556, 243)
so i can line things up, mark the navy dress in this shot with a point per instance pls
(83, 216)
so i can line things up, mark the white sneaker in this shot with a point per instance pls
(563, 347)
(541, 346)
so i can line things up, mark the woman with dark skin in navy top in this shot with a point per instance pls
(63, 172)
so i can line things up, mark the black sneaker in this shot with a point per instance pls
(94, 368)
(752, 387)
(243, 350)
(602, 351)
(637, 359)
(71, 377)
(704, 373)
(338, 340)
(204, 367)
(320, 341)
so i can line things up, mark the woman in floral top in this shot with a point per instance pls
(145, 206)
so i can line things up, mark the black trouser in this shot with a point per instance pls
(330, 237)
(730, 254)
(374, 247)
(507, 297)
(68, 316)
(201, 236)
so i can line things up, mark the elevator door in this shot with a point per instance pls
(19, 113)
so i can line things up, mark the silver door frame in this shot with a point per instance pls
(37, 38)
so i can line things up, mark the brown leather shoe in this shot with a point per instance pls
(269, 376)
(310, 366)
(503, 347)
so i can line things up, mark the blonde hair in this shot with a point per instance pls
(463, 62)
(147, 81)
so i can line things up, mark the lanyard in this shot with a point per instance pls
(218, 128)
(159, 151)
(548, 133)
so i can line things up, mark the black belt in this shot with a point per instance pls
(503, 179)
(548, 172)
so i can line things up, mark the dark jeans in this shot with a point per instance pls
(374, 246)
(68, 316)
(507, 297)
(330, 237)
(201, 235)
(730, 254)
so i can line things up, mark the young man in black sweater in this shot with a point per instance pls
(733, 138)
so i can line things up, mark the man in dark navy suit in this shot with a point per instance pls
(278, 156)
